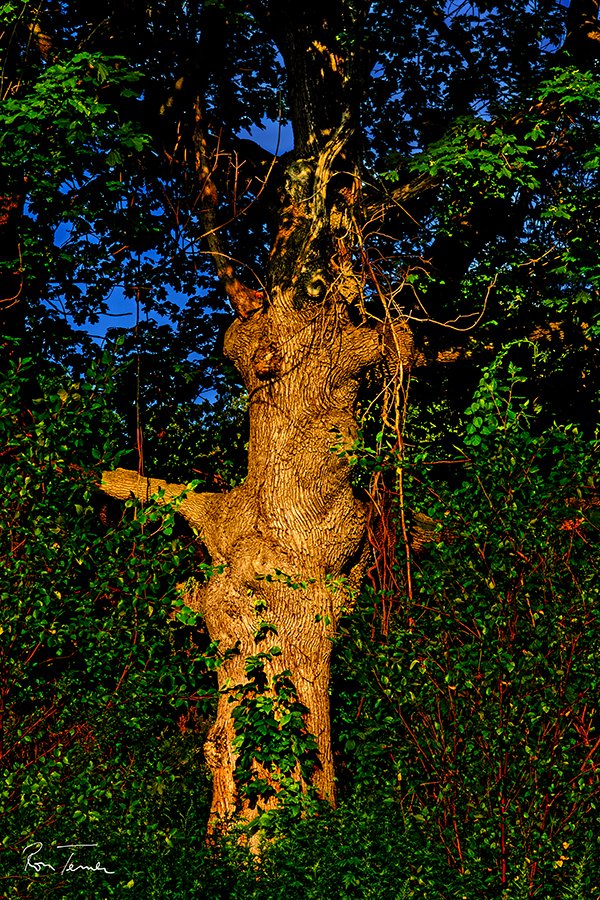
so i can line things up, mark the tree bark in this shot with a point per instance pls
(290, 544)
(296, 515)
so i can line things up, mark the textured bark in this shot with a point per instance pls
(296, 513)
(325, 79)
(302, 349)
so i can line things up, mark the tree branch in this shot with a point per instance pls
(198, 509)
(543, 332)
(244, 300)
(320, 89)
(583, 32)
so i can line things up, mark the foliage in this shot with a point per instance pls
(102, 693)
(62, 142)
(481, 705)
(366, 849)
(272, 743)
(476, 720)
(63, 110)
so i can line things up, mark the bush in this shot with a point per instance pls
(481, 704)
(467, 735)
(101, 691)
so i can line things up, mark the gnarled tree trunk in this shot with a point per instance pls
(302, 348)
(296, 515)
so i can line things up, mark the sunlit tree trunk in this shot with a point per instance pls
(292, 539)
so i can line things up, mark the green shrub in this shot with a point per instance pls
(102, 692)
(479, 711)
(467, 737)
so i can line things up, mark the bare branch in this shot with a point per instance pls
(198, 509)
(244, 300)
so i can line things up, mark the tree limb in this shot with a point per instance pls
(244, 300)
(198, 509)
(583, 32)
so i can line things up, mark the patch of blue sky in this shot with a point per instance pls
(274, 137)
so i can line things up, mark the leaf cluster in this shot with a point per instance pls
(101, 690)
(272, 743)
(481, 706)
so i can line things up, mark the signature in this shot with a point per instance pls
(34, 862)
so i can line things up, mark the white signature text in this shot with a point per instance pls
(35, 863)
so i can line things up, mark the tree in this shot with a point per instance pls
(442, 183)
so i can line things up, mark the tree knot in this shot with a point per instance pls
(266, 361)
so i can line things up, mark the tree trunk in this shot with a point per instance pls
(295, 520)
(292, 539)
